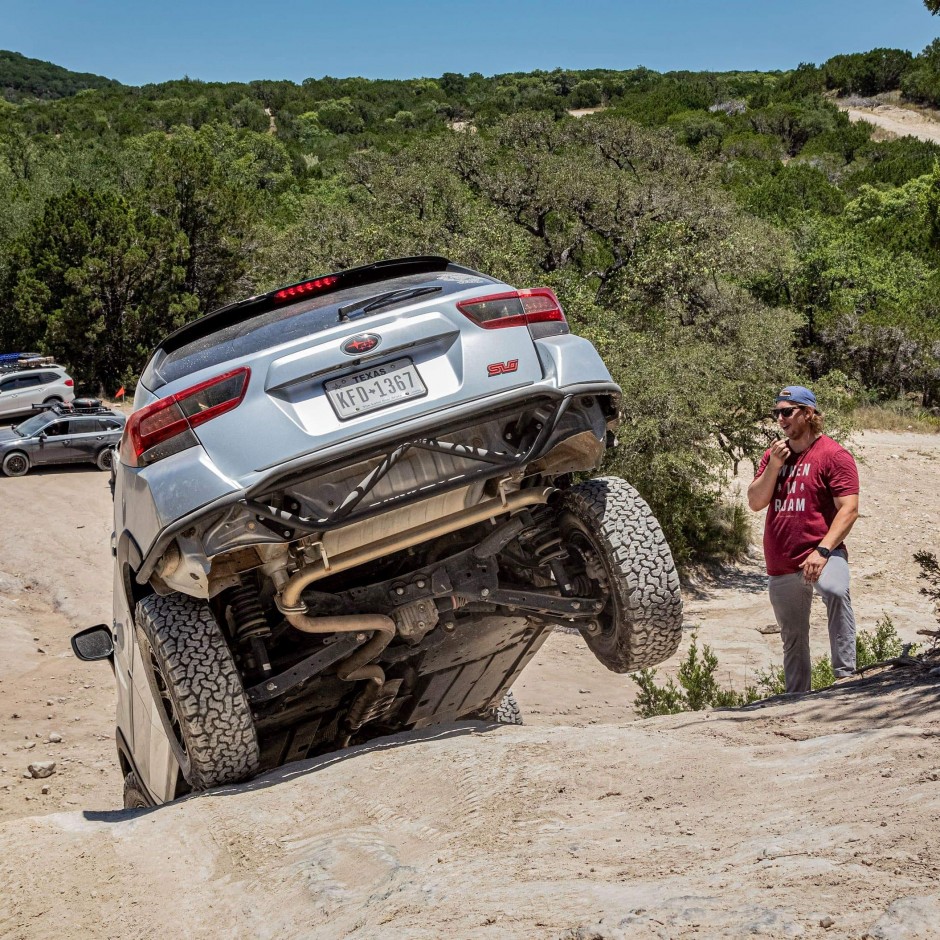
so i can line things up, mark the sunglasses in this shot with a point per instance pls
(784, 412)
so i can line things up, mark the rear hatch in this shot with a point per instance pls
(336, 363)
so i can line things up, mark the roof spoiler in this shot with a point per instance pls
(325, 284)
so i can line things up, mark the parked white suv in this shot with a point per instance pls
(28, 382)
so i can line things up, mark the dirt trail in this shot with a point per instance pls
(895, 121)
(767, 821)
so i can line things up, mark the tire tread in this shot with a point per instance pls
(206, 688)
(643, 573)
(507, 712)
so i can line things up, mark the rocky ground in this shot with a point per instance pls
(809, 817)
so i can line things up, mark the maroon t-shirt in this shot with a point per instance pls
(802, 507)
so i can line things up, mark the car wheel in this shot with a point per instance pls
(197, 690)
(619, 547)
(52, 400)
(105, 458)
(16, 464)
(134, 797)
(507, 712)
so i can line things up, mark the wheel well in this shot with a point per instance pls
(124, 763)
(133, 591)
(129, 559)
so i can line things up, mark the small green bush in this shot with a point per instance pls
(875, 647)
(698, 689)
(653, 699)
(770, 681)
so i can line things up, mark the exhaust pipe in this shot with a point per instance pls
(290, 601)
(290, 596)
(353, 668)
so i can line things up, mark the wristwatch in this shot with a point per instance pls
(825, 552)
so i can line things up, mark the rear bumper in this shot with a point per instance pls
(163, 500)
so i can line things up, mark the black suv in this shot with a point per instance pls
(82, 431)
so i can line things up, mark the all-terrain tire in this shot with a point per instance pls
(105, 458)
(134, 796)
(507, 712)
(641, 624)
(16, 464)
(197, 690)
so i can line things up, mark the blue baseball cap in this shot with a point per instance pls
(797, 395)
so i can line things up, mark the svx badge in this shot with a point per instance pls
(361, 343)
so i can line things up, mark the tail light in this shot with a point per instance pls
(538, 309)
(167, 426)
(69, 383)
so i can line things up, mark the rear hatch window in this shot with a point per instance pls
(296, 320)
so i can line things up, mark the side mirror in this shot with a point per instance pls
(93, 643)
(41, 436)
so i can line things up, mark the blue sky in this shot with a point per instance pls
(140, 41)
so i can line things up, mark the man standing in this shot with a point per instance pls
(809, 486)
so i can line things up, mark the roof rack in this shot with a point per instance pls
(78, 406)
(15, 362)
(11, 357)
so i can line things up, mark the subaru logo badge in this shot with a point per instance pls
(363, 343)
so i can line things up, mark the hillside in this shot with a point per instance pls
(691, 224)
(24, 79)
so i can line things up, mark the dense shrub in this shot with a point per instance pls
(797, 189)
(922, 81)
(867, 73)
(889, 163)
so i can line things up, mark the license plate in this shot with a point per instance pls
(374, 388)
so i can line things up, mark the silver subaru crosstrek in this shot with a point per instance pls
(25, 382)
(358, 505)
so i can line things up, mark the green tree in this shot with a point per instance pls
(868, 73)
(922, 81)
(210, 184)
(98, 283)
(340, 117)
(869, 310)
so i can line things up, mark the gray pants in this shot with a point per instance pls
(791, 598)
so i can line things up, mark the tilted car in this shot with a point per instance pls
(81, 431)
(27, 379)
(353, 506)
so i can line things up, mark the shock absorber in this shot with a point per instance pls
(546, 545)
(250, 625)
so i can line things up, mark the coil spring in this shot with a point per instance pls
(543, 536)
(248, 618)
